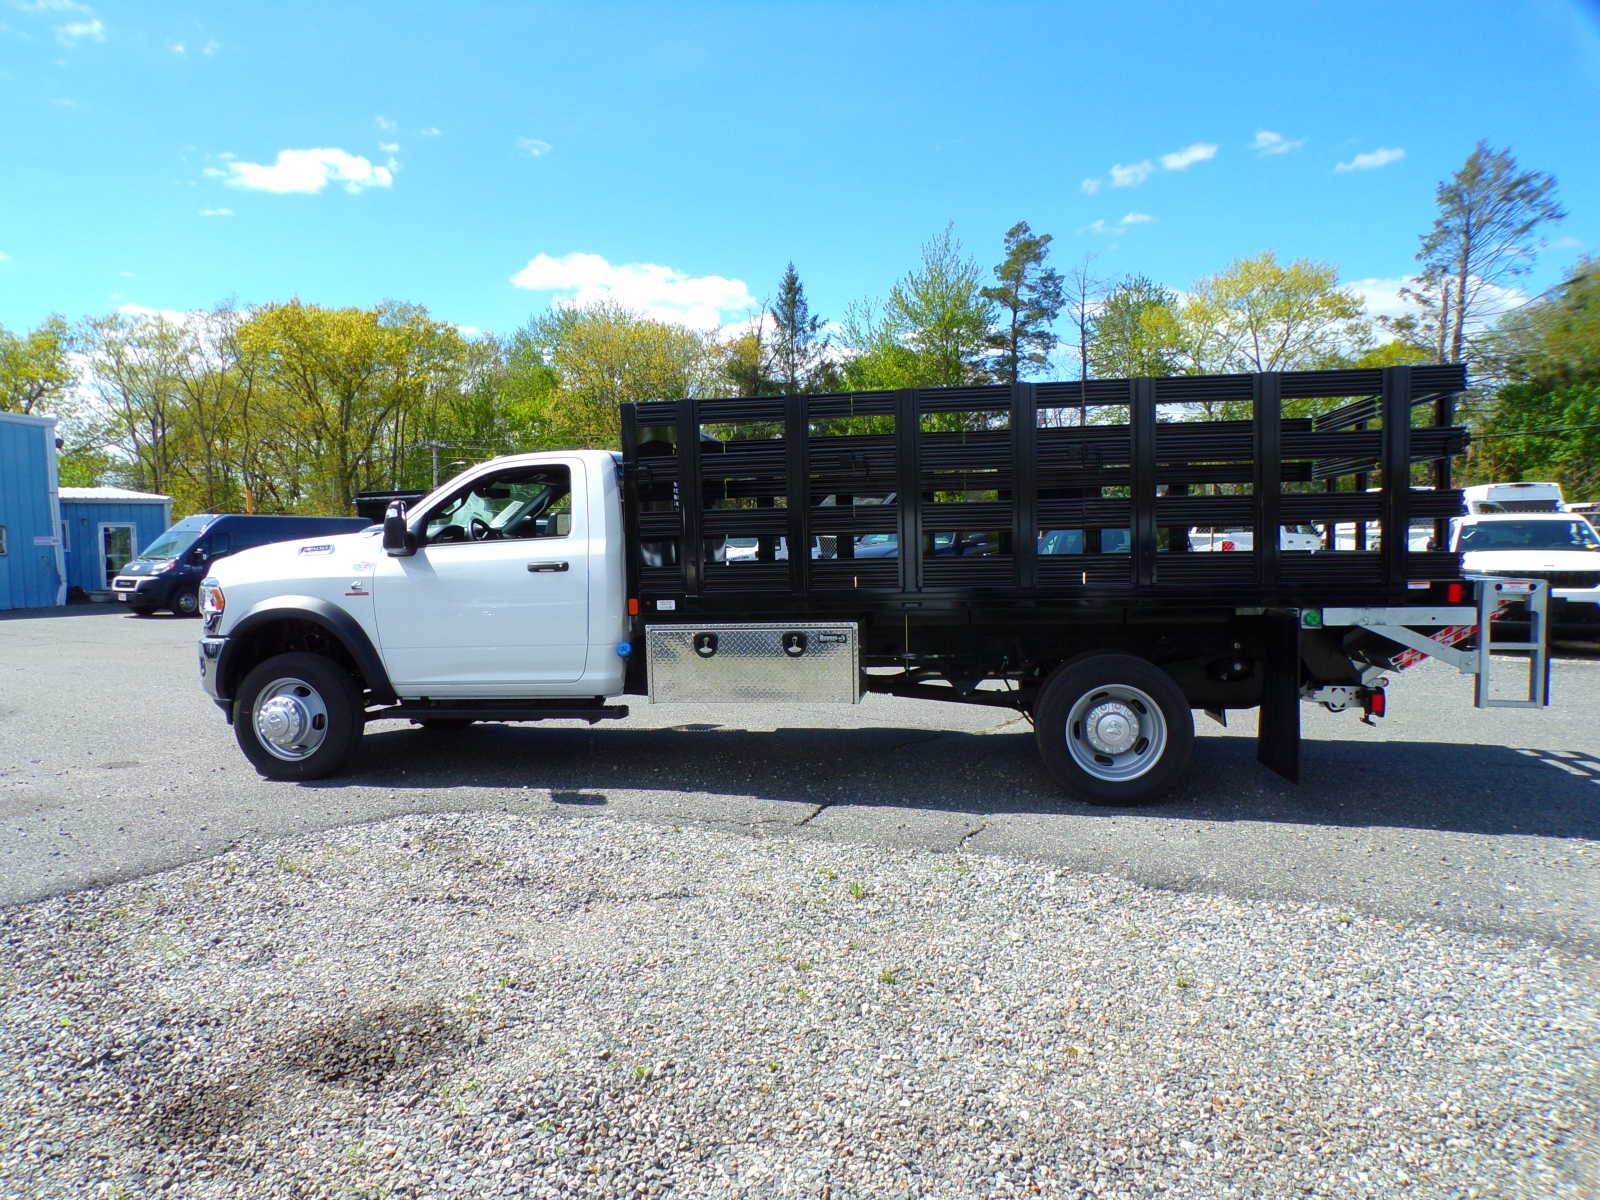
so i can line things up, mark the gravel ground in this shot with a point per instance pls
(508, 1006)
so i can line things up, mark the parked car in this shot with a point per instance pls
(167, 572)
(1292, 537)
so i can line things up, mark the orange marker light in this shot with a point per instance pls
(633, 606)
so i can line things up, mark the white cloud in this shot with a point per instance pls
(1124, 175)
(211, 47)
(1132, 175)
(73, 32)
(1121, 225)
(1382, 298)
(1266, 142)
(53, 6)
(1372, 159)
(4, 257)
(657, 291)
(306, 171)
(533, 147)
(385, 123)
(1182, 160)
(178, 48)
(389, 147)
(170, 315)
(430, 131)
(216, 212)
(469, 331)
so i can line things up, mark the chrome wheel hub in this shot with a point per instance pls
(1112, 727)
(291, 721)
(1116, 732)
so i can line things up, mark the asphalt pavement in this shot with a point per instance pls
(113, 765)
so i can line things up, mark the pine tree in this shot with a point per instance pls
(800, 349)
(1029, 296)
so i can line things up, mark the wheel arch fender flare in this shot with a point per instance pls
(332, 619)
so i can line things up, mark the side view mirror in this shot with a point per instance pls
(398, 541)
(196, 556)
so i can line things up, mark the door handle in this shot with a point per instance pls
(547, 566)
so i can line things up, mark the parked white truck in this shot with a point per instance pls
(547, 585)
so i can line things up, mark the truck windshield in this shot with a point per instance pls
(1530, 535)
(176, 540)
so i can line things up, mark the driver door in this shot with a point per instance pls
(495, 602)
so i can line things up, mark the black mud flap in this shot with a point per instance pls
(1278, 730)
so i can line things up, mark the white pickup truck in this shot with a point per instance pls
(1560, 548)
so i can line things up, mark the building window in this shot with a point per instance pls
(2, 541)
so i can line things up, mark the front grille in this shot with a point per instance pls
(1568, 579)
(125, 585)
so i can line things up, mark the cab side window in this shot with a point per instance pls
(520, 504)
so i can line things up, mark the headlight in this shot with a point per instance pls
(158, 568)
(212, 600)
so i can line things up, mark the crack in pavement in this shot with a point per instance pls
(972, 833)
(813, 815)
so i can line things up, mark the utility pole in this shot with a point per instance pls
(433, 450)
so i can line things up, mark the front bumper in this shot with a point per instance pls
(212, 651)
(141, 591)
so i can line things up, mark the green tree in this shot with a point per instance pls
(1029, 297)
(603, 355)
(1260, 315)
(1545, 422)
(35, 372)
(747, 361)
(800, 347)
(339, 383)
(1486, 233)
(933, 331)
(133, 363)
(1130, 335)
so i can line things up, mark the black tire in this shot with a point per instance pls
(445, 724)
(1137, 702)
(308, 685)
(186, 602)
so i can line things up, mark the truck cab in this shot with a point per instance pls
(503, 585)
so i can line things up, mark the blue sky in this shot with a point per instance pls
(484, 159)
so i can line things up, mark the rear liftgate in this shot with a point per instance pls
(1278, 734)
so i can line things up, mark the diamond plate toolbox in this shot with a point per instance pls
(720, 664)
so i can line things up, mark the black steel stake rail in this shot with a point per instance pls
(1001, 465)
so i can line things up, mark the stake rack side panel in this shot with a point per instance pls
(1132, 493)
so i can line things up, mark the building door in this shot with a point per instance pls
(116, 549)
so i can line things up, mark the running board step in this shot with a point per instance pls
(509, 711)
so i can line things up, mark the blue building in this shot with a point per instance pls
(103, 527)
(32, 568)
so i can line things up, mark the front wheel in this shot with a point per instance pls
(298, 716)
(186, 602)
(1114, 729)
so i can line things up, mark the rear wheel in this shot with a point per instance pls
(1114, 729)
(298, 716)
